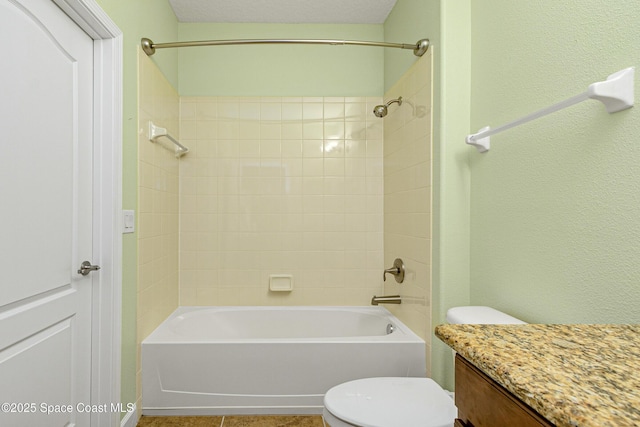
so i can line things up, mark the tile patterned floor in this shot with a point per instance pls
(180, 422)
(235, 421)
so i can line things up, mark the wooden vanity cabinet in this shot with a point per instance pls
(482, 402)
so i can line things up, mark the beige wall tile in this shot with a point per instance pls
(275, 195)
(407, 195)
(158, 181)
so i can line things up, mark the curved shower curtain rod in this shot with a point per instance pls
(149, 47)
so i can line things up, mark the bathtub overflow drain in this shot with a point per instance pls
(390, 328)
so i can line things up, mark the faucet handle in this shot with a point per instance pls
(397, 270)
(392, 270)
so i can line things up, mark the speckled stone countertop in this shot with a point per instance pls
(573, 375)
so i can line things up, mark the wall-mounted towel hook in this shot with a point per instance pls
(616, 93)
(156, 132)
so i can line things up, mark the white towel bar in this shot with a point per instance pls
(156, 132)
(616, 93)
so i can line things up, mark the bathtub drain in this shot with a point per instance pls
(390, 328)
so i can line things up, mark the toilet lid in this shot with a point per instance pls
(384, 402)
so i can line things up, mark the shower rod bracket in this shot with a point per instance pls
(421, 47)
(149, 47)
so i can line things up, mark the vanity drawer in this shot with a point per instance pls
(482, 402)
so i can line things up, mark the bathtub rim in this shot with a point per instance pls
(403, 334)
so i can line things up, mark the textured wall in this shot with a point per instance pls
(281, 70)
(408, 22)
(554, 204)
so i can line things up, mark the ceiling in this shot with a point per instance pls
(284, 11)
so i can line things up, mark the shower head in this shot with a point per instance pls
(382, 110)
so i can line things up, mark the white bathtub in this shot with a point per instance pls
(269, 360)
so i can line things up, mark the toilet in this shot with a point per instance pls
(403, 401)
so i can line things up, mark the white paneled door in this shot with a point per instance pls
(46, 161)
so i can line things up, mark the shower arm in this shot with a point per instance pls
(381, 110)
(149, 47)
(398, 101)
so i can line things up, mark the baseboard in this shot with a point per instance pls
(131, 419)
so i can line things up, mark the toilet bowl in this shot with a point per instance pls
(402, 401)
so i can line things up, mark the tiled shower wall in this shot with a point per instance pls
(407, 196)
(280, 186)
(157, 223)
(284, 186)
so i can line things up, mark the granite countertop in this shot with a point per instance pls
(573, 375)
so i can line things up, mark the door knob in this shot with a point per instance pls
(86, 267)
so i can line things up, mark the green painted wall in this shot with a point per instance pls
(555, 235)
(543, 226)
(451, 186)
(136, 19)
(447, 25)
(280, 70)
(408, 22)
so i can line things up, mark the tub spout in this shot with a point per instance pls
(389, 299)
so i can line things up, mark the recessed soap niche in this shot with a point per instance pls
(281, 282)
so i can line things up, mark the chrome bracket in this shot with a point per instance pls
(421, 47)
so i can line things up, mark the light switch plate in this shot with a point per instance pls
(128, 221)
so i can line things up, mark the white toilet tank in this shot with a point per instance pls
(480, 315)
